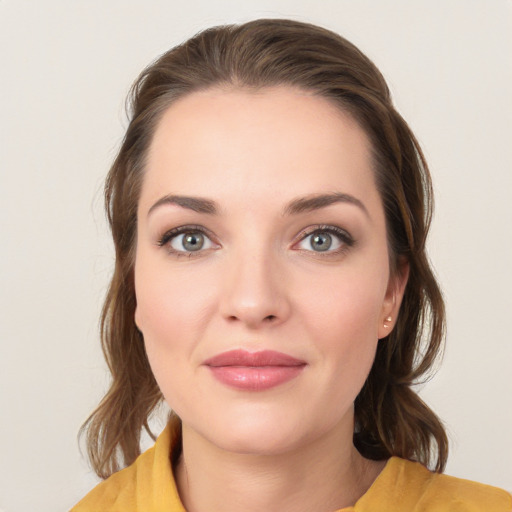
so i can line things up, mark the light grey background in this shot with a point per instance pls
(65, 68)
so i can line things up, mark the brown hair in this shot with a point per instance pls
(390, 418)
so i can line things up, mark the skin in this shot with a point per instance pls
(258, 283)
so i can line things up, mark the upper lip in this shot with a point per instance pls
(253, 359)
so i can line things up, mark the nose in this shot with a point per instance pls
(255, 292)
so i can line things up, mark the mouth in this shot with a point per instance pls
(254, 371)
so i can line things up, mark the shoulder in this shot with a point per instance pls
(118, 493)
(409, 486)
(146, 485)
(117, 488)
(463, 495)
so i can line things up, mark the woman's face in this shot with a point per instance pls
(262, 268)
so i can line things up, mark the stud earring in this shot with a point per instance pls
(386, 321)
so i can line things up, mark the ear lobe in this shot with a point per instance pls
(393, 299)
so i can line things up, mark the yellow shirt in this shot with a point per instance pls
(148, 486)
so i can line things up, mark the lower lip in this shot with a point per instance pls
(255, 378)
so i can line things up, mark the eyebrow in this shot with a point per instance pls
(303, 204)
(317, 201)
(196, 204)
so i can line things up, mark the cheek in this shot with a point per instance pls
(172, 311)
(171, 306)
(346, 303)
(344, 324)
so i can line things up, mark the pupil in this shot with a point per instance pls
(193, 241)
(321, 242)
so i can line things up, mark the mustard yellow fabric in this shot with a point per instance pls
(403, 486)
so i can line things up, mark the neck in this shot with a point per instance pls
(324, 475)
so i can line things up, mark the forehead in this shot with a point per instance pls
(271, 141)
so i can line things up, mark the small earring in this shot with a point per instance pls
(386, 321)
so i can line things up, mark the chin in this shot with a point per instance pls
(264, 442)
(256, 434)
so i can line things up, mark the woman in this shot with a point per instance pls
(269, 210)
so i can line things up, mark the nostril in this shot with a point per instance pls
(266, 319)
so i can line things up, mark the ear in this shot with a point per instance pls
(393, 298)
(136, 318)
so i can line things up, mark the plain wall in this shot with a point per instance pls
(65, 69)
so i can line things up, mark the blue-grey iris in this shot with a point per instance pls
(321, 241)
(193, 241)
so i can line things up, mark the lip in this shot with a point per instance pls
(254, 371)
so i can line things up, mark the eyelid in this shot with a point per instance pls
(170, 234)
(345, 238)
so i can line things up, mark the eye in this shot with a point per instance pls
(192, 241)
(327, 239)
(186, 240)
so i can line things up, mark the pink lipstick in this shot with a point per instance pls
(254, 371)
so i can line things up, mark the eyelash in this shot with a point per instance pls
(346, 240)
(172, 233)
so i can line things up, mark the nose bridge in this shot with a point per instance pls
(254, 291)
